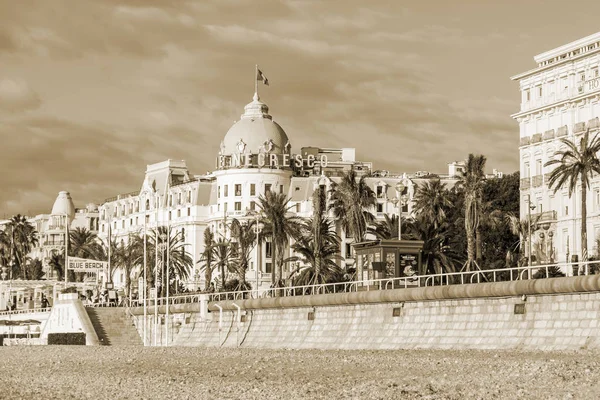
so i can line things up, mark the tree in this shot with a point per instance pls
(84, 243)
(280, 226)
(171, 247)
(521, 229)
(33, 269)
(351, 201)
(207, 257)
(431, 200)
(386, 229)
(438, 256)
(576, 164)
(221, 256)
(23, 238)
(243, 238)
(318, 246)
(130, 255)
(472, 183)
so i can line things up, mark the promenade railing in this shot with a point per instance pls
(450, 278)
(27, 311)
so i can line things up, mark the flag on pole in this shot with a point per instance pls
(261, 77)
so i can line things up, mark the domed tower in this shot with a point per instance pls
(254, 156)
(63, 205)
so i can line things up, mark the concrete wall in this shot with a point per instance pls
(566, 321)
(68, 315)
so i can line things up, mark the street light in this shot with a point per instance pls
(529, 208)
(400, 186)
(258, 227)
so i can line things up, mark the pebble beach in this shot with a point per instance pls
(104, 372)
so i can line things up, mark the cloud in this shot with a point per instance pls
(16, 95)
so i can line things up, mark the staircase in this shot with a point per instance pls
(113, 327)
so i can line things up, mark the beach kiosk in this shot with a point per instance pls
(385, 259)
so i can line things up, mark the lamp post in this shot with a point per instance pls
(550, 234)
(402, 198)
(258, 226)
(529, 208)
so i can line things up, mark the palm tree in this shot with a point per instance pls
(207, 257)
(351, 202)
(23, 238)
(4, 251)
(131, 255)
(472, 183)
(280, 226)
(318, 246)
(243, 238)
(57, 263)
(386, 229)
(520, 228)
(170, 247)
(490, 219)
(577, 164)
(221, 255)
(84, 243)
(438, 256)
(431, 200)
(319, 256)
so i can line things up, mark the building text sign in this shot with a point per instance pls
(271, 160)
(84, 265)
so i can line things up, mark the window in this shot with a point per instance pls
(379, 192)
(379, 207)
(137, 206)
(527, 95)
(582, 77)
(115, 225)
(252, 189)
(189, 196)
(267, 187)
(538, 167)
(539, 91)
(238, 189)
(540, 207)
(218, 192)
(116, 211)
(130, 221)
(123, 224)
(189, 211)
(280, 189)
(225, 190)
(595, 72)
(224, 207)
(178, 213)
(179, 198)
(102, 228)
(268, 250)
(136, 220)
(252, 205)
(147, 204)
(169, 215)
(597, 199)
(123, 208)
(170, 200)
(348, 250)
(268, 268)
(298, 207)
(237, 206)
(526, 169)
(405, 207)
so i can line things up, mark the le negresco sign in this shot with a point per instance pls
(271, 160)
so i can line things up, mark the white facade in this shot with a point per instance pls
(559, 99)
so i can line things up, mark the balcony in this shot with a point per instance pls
(548, 135)
(536, 181)
(525, 183)
(537, 138)
(562, 131)
(579, 127)
(525, 141)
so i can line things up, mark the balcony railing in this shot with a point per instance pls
(546, 216)
(525, 183)
(536, 181)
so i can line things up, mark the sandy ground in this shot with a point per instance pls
(72, 372)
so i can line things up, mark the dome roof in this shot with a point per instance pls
(64, 205)
(255, 132)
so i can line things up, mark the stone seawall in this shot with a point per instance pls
(567, 321)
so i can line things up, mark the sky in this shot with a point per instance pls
(93, 91)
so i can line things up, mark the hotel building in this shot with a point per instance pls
(255, 156)
(560, 98)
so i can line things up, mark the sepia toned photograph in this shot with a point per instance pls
(299, 199)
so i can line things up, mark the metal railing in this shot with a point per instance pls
(451, 278)
(31, 311)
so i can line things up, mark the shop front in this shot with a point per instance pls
(386, 259)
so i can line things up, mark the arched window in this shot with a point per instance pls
(147, 204)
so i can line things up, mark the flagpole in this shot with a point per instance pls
(168, 276)
(66, 247)
(256, 79)
(156, 274)
(145, 282)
